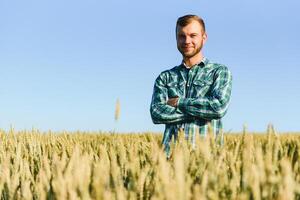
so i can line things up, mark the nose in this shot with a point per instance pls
(187, 40)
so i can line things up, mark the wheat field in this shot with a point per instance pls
(99, 165)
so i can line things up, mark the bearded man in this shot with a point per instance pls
(194, 95)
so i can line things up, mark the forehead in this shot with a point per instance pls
(193, 27)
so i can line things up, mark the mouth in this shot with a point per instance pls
(187, 48)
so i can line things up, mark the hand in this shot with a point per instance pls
(173, 102)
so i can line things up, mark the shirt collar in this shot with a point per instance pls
(201, 64)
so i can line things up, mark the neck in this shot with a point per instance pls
(191, 61)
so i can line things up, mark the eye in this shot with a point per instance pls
(194, 35)
(181, 36)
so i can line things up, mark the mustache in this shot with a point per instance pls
(187, 45)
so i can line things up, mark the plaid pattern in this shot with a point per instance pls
(204, 93)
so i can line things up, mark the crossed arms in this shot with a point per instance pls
(166, 110)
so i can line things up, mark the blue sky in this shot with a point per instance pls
(63, 64)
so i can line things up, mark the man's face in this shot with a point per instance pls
(190, 39)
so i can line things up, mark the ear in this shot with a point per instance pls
(204, 36)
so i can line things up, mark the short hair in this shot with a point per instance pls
(187, 19)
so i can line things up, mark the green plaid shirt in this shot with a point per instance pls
(204, 93)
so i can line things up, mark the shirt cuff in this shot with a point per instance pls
(181, 104)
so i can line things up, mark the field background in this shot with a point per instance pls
(99, 165)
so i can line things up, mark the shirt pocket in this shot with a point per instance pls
(201, 87)
(175, 89)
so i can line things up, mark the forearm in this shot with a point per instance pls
(165, 114)
(161, 112)
(203, 107)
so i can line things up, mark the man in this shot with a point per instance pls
(194, 95)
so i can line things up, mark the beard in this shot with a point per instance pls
(190, 54)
